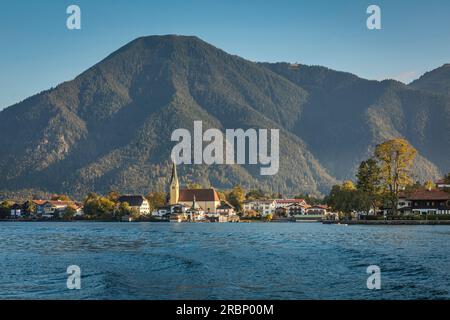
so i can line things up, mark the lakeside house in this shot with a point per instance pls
(320, 209)
(279, 207)
(16, 211)
(418, 202)
(47, 209)
(263, 207)
(138, 203)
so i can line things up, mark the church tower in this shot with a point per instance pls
(174, 191)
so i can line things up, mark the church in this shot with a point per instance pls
(206, 199)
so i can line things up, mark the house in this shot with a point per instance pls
(137, 202)
(296, 209)
(55, 208)
(225, 208)
(263, 207)
(280, 203)
(319, 209)
(442, 183)
(227, 212)
(430, 202)
(39, 206)
(16, 211)
(404, 204)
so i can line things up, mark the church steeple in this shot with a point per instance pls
(174, 186)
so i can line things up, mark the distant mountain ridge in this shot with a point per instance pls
(110, 127)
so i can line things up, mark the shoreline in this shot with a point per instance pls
(391, 222)
(359, 222)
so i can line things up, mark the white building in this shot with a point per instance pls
(263, 207)
(137, 202)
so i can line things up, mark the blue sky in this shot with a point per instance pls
(37, 51)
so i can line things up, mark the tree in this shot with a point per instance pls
(124, 209)
(222, 195)
(113, 195)
(99, 207)
(69, 213)
(5, 209)
(29, 207)
(395, 158)
(369, 181)
(156, 200)
(346, 200)
(429, 185)
(348, 185)
(236, 197)
(255, 194)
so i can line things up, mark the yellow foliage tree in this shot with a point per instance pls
(396, 158)
(348, 185)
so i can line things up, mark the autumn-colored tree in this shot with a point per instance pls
(99, 207)
(348, 185)
(255, 194)
(222, 195)
(113, 195)
(156, 199)
(236, 197)
(123, 209)
(429, 185)
(69, 213)
(395, 158)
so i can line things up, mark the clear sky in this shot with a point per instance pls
(37, 51)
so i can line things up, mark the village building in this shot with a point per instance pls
(296, 209)
(262, 207)
(208, 199)
(317, 210)
(282, 203)
(55, 208)
(138, 203)
(430, 202)
(16, 211)
(227, 212)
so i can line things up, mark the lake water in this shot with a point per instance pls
(222, 261)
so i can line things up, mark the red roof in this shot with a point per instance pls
(200, 195)
(429, 195)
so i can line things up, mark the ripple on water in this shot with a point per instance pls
(222, 261)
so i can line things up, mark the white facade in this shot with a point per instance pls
(264, 207)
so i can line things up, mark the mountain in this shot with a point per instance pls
(110, 127)
(357, 114)
(437, 80)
